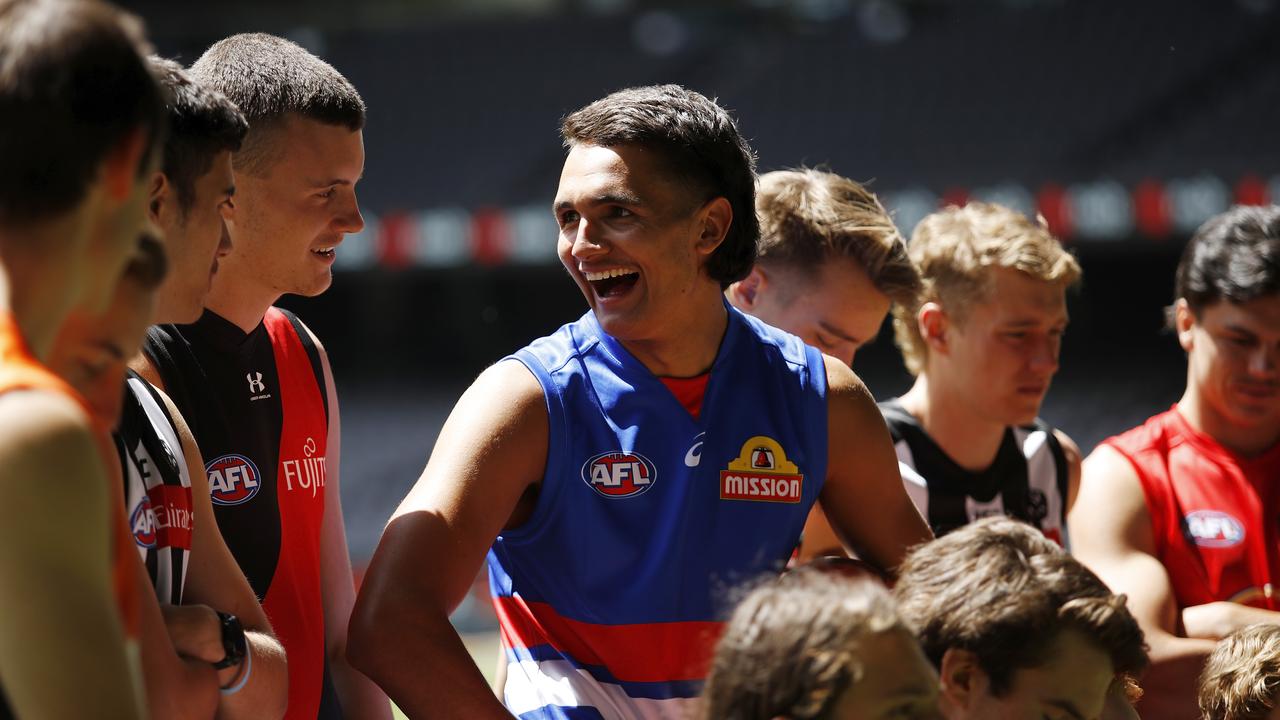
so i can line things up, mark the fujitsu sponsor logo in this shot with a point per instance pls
(762, 473)
(306, 473)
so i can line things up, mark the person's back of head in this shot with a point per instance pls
(1241, 679)
(74, 86)
(957, 248)
(271, 79)
(998, 599)
(700, 146)
(815, 643)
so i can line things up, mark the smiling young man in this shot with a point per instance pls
(252, 381)
(1179, 513)
(80, 118)
(626, 472)
(1017, 628)
(983, 343)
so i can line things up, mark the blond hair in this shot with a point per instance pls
(807, 216)
(1242, 677)
(954, 249)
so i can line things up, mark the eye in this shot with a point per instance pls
(622, 212)
(567, 218)
(326, 193)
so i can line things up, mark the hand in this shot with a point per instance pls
(195, 631)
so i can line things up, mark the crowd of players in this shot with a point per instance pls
(688, 504)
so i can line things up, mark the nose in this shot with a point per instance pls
(586, 242)
(1044, 355)
(1264, 361)
(349, 220)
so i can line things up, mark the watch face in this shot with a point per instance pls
(233, 641)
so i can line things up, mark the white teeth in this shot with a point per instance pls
(323, 251)
(606, 274)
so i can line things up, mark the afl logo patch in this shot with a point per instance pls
(619, 474)
(1211, 528)
(143, 523)
(233, 479)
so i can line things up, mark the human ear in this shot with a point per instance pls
(1184, 321)
(745, 293)
(120, 166)
(714, 220)
(934, 325)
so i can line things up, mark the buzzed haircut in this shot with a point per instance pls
(1234, 256)
(955, 250)
(808, 217)
(269, 79)
(702, 148)
(202, 123)
(1000, 589)
(74, 84)
(1241, 678)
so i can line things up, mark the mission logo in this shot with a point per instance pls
(619, 474)
(233, 479)
(762, 473)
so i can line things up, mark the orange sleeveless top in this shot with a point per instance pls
(19, 370)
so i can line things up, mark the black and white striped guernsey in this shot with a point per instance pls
(1027, 480)
(157, 488)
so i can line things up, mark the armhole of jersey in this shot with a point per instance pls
(553, 474)
(1059, 465)
(156, 348)
(818, 380)
(155, 396)
(313, 354)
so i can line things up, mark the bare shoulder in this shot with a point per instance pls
(1108, 473)
(1069, 448)
(47, 435)
(1111, 508)
(842, 381)
(141, 364)
(850, 405)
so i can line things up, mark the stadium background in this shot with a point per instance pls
(1125, 124)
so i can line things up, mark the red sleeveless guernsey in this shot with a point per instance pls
(1214, 517)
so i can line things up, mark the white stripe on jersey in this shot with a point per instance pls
(917, 488)
(1042, 475)
(532, 684)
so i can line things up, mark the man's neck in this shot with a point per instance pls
(242, 303)
(971, 442)
(685, 349)
(1244, 440)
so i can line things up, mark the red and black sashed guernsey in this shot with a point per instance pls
(257, 405)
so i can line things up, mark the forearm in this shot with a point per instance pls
(186, 689)
(1216, 620)
(1169, 686)
(265, 694)
(424, 667)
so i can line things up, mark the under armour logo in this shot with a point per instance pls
(255, 382)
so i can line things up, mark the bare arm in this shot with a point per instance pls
(63, 650)
(215, 580)
(1111, 533)
(359, 696)
(863, 498)
(492, 449)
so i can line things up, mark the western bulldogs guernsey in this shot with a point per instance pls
(157, 488)
(1027, 480)
(611, 596)
(257, 406)
(1213, 513)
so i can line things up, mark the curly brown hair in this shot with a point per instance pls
(1241, 680)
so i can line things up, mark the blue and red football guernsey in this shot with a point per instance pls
(612, 595)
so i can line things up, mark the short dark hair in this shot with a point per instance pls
(202, 123)
(702, 146)
(73, 84)
(1003, 591)
(270, 78)
(1234, 256)
(792, 645)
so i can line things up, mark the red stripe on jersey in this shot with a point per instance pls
(650, 652)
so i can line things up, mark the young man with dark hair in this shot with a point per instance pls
(831, 263)
(1179, 513)
(79, 116)
(983, 342)
(1016, 627)
(625, 472)
(252, 381)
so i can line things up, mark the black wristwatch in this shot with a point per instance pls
(233, 641)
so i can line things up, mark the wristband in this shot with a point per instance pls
(244, 676)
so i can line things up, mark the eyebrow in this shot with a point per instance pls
(1066, 706)
(336, 181)
(828, 327)
(612, 198)
(1239, 330)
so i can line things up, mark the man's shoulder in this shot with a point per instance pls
(1157, 434)
(790, 347)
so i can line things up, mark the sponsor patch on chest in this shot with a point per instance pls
(233, 479)
(762, 473)
(1214, 529)
(619, 474)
